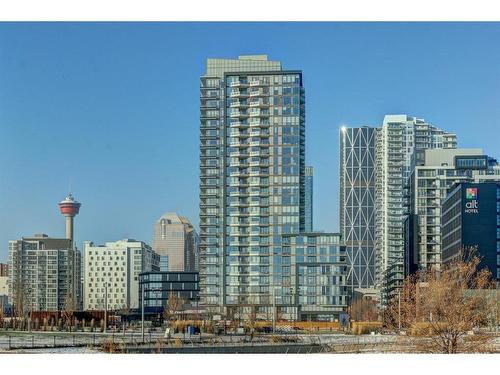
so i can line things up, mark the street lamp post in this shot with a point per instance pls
(274, 308)
(31, 309)
(142, 312)
(497, 300)
(105, 307)
(399, 310)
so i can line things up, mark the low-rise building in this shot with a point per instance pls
(160, 286)
(313, 285)
(111, 273)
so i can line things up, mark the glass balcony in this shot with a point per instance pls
(258, 93)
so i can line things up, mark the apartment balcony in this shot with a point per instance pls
(210, 95)
(260, 143)
(256, 83)
(261, 203)
(257, 132)
(237, 114)
(254, 122)
(237, 124)
(260, 183)
(203, 214)
(237, 143)
(260, 153)
(258, 93)
(254, 113)
(239, 174)
(239, 184)
(205, 203)
(239, 224)
(205, 146)
(208, 116)
(238, 94)
(239, 84)
(239, 193)
(205, 105)
(239, 134)
(204, 86)
(239, 154)
(259, 163)
(258, 123)
(239, 164)
(258, 103)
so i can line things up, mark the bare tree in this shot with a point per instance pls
(175, 305)
(445, 306)
(364, 310)
(69, 309)
(21, 301)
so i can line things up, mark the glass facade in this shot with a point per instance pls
(429, 185)
(471, 219)
(251, 176)
(357, 203)
(313, 284)
(159, 286)
(400, 145)
(309, 199)
(175, 240)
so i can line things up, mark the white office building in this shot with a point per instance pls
(111, 273)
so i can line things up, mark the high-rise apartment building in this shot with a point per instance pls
(399, 145)
(111, 273)
(252, 132)
(357, 203)
(44, 274)
(429, 185)
(309, 177)
(175, 241)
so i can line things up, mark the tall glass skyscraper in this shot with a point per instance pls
(252, 164)
(357, 203)
(175, 241)
(309, 199)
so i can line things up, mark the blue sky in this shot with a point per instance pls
(113, 108)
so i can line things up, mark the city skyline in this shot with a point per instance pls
(100, 150)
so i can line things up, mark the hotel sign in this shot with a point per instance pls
(471, 204)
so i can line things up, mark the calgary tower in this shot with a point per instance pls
(69, 207)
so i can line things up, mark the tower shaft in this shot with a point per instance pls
(69, 228)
